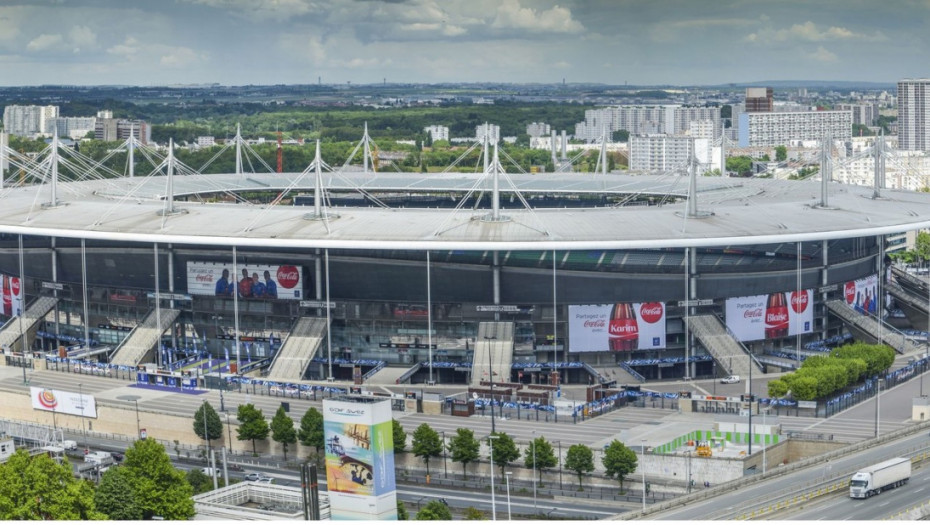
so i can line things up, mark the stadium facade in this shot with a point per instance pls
(592, 268)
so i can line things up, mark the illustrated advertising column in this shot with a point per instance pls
(862, 294)
(360, 458)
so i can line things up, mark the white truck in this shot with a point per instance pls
(885, 475)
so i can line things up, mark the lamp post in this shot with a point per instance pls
(878, 395)
(229, 432)
(689, 472)
(749, 386)
(493, 503)
(445, 471)
(507, 476)
(535, 509)
(643, 467)
(134, 399)
(83, 427)
(488, 339)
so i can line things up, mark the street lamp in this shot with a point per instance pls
(507, 476)
(134, 399)
(445, 471)
(767, 433)
(488, 339)
(643, 467)
(877, 404)
(229, 432)
(535, 510)
(493, 503)
(83, 427)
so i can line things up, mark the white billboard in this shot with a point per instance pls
(620, 327)
(862, 294)
(770, 316)
(63, 402)
(254, 281)
(12, 295)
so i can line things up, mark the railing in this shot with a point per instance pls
(632, 372)
(368, 375)
(409, 373)
(740, 343)
(590, 369)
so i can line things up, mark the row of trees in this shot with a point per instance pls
(820, 376)
(145, 486)
(619, 461)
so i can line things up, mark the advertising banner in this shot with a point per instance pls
(862, 294)
(63, 402)
(620, 327)
(770, 316)
(260, 282)
(360, 458)
(12, 295)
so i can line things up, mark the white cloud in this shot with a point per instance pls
(82, 36)
(263, 9)
(181, 57)
(127, 49)
(822, 55)
(44, 42)
(510, 15)
(811, 32)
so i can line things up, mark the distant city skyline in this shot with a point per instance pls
(639, 42)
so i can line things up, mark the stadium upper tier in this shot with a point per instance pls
(731, 212)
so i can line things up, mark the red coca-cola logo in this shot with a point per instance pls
(799, 301)
(14, 284)
(595, 324)
(288, 276)
(651, 312)
(850, 291)
(753, 312)
(624, 329)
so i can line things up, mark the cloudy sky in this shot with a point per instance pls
(149, 42)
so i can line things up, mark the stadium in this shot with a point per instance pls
(347, 273)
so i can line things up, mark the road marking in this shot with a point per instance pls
(918, 490)
(885, 503)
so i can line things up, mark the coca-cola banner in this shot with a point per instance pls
(12, 295)
(254, 281)
(771, 316)
(862, 294)
(616, 327)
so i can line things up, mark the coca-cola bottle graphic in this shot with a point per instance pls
(776, 316)
(7, 296)
(623, 328)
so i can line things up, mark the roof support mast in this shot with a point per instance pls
(238, 149)
(4, 158)
(603, 159)
(317, 183)
(169, 204)
(825, 171)
(366, 152)
(53, 201)
(878, 151)
(132, 151)
(496, 195)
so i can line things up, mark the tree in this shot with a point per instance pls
(621, 135)
(282, 429)
(922, 246)
(741, 165)
(400, 437)
(114, 496)
(434, 511)
(464, 448)
(619, 461)
(473, 514)
(781, 153)
(159, 488)
(505, 451)
(38, 488)
(252, 425)
(310, 433)
(201, 482)
(426, 444)
(539, 456)
(402, 514)
(214, 427)
(579, 458)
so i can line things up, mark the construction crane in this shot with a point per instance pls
(280, 155)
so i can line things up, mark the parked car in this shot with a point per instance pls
(252, 476)
(117, 456)
(730, 379)
(265, 479)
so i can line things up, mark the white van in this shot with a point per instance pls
(69, 444)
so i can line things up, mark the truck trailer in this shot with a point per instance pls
(885, 475)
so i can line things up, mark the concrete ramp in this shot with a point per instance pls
(388, 375)
(498, 336)
(298, 349)
(144, 338)
(729, 353)
(868, 328)
(35, 313)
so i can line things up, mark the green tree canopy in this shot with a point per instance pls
(402, 514)
(252, 424)
(579, 459)
(282, 429)
(38, 488)
(464, 448)
(159, 488)
(426, 444)
(539, 456)
(213, 428)
(619, 461)
(434, 511)
(400, 437)
(505, 451)
(311, 430)
(200, 482)
(473, 514)
(781, 153)
(115, 497)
